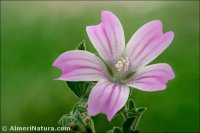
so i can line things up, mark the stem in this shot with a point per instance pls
(125, 116)
(124, 113)
(136, 121)
(92, 127)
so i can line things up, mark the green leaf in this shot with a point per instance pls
(133, 131)
(81, 89)
(142, 109)
(81, 46)
(110, 131)
(131, 105)
(117, 130)
(127, 124)
(132, 113)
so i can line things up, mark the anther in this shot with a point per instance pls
(122, 65)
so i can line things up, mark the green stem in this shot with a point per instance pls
(136, 121)
(124, 113)
(91, 127)
(125, 116)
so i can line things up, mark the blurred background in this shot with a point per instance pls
(34, 33)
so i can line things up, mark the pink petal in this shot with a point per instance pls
(107, 37)
(80, 65)
(147, 43)
(152, 77)
(107, 97)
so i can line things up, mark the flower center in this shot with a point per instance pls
(122, 65)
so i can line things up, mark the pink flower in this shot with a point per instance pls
(118, 67)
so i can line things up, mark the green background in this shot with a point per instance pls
(34, 33)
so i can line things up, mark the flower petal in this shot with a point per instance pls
(107, 97)
(108, 37)
(77, 65)
(147, 43)
(152, 77)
